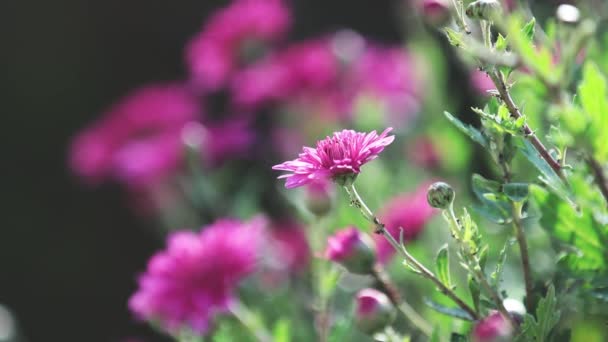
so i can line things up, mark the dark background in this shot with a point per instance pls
(69, 254)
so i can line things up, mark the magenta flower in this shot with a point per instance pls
(481, 82)
(350, 248)
(138, 140)
(195, 277)
(290, 244)
(342, 154)
(374, 311)
(233, 35)
(409, 211)
(493, 328)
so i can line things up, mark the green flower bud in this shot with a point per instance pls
(484, 10)
(440, 195)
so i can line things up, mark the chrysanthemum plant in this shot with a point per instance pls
(550, 156)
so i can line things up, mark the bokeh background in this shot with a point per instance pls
(68, 253)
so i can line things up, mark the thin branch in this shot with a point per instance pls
(384, 282)
(516, 114)
(358, 202)
(523, 250)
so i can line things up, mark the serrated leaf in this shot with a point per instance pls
(517, 192)
(547, 316)
(450, 311)
(442, 264)
(469, 130)
(578, 230)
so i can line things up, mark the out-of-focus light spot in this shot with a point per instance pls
(568, 14)
(8, 328)
(193, 134)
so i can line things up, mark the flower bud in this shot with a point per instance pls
(568, 14)
(319, 197)
(484, 9)
(345, 179)
(440, 195)
(374, 311)
(494, 328)
(352, 249)
(436, 12)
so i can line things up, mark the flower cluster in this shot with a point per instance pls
(194, 279)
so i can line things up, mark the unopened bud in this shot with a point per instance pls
(374, 311)
(345, 179)
(568, 14)
(436, 12)
(494, 328)
(484, 10)
(440, 195)
(352, 249)
(319, 197)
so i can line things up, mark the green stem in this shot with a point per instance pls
(480, 276)
(523, 250)
(318, 237)
(358, 202)
(249, 321)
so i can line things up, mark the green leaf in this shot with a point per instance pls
(517, 192)
(469, 130)
(528, 30)
(549, 177)
(454, 337)
(587, 254)
(494, 205)
(496, 276)
(547, 316)
(450, 311)
(281, 331)
(443, 266)
(341, 330)
(592, 96)
(501, 43)
(454, 37)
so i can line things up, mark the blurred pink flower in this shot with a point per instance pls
(409, 211)
(230, 34)
(423, 153)
(228, 139)
(481, 82)
(304, 69)
(195, 277)
(493, 328)
(291, 245)
(436, 12)
(352, 249)
(386, 74)
(374, 311)
(342, 154)
(138, 140)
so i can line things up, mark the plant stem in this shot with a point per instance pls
(250, 321)
(598, 175)
(523, 250)
(320, 271)
(501, 86)
(384, 281)
(358, 202)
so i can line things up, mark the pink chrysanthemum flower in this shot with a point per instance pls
(234, 35)
(342, 154)
(195, 277)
